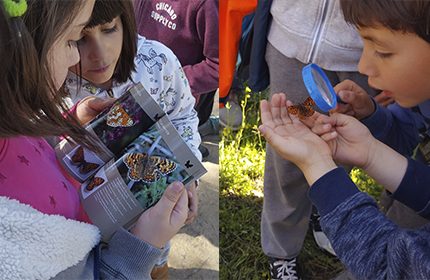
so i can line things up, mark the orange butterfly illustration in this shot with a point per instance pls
(118, 117)
(303, 110)
(148, 169)
(78, 159)
(95, 182)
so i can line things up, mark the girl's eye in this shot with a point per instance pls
(110, 30)
(382, 55)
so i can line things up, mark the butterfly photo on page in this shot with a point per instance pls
(118, 117)
(83, 163)
(78, 159)
(302, 110)
(148, 169)
(148, 176)
(92, 185)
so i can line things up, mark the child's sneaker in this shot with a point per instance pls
(319, 236)
(204, 151)
(231, 116)
(160, 272)
(281, 269)
(210, 127)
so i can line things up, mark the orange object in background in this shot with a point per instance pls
(231, 14)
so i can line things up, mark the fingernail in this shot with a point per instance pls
(341, 93)
(176, 187)
(262, 129)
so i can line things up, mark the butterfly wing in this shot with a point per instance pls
(309, 102)
(156, 167)
(293, 109)
(150, 174)
(87, 167)
(135, 164)
(303, 110)
(78, 156)
(163, 165)
(118, 117)
(95, 182)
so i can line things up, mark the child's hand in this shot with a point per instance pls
(293, 140)
(350, 140)
(160, 223)
(193, 200)
(89, 107)
(358, 103)
(384, 100)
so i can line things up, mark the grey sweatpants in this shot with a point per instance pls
(286, 208)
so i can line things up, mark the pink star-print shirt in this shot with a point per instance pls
(31, 174)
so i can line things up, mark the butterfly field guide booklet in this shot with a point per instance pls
(141, 153)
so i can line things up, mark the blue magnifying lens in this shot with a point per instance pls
(319, 87)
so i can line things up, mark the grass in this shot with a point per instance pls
(242, 156)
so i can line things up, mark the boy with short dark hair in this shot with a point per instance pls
(396, 58)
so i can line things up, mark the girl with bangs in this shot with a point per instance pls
(114, 57)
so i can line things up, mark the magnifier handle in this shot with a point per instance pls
(339, 100)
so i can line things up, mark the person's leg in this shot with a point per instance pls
(286, 208)
(404, 216)
(399, 213)
(207, 125)
(231, 116)
(204, 106)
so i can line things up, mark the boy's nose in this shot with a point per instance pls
(366, 66)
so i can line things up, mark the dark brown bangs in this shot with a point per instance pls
(104, 12)
(398, 15)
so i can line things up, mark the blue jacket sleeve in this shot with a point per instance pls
(414, 190)
(371, 246)
(396, 126)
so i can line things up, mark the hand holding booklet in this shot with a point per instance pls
(141, 153)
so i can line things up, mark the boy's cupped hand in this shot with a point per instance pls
(350, 141)
(289, 136)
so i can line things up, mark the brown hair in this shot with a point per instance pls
(104, 12)
(399, 15)
(29, 103)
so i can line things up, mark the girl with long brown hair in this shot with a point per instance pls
(42, 231)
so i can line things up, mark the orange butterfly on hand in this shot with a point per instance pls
(78, 159)
(303, 110)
